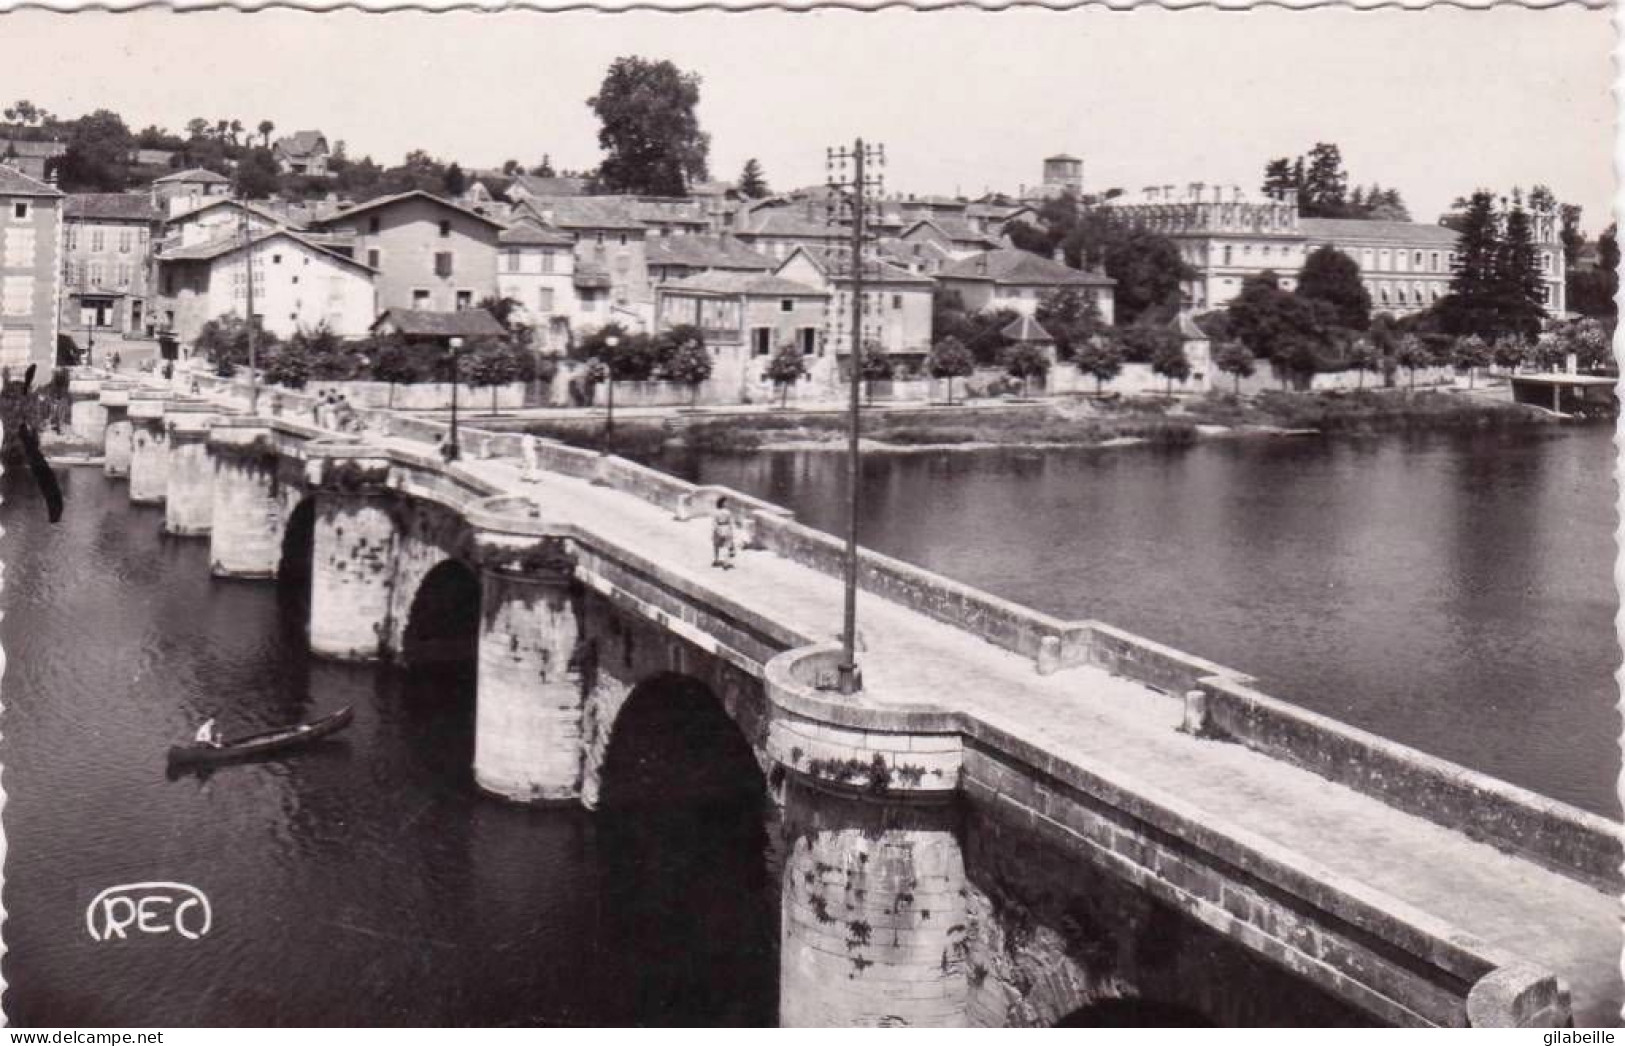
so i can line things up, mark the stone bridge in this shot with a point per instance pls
(1019, 821)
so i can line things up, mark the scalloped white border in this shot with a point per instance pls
(680, 6)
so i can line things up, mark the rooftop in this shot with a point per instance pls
(387, 201)
(1377, 233)
(111, 206)
(745, 283)
(193, 174)
(15, 183)
(526, 234)
(707, 252)
(1025, 328)
(468, 323)
(1013, 266)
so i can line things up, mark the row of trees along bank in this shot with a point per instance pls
(321, 355)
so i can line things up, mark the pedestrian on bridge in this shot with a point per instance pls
(722, 536)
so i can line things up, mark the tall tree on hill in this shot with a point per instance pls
(98, 154)
(455, 182)
(256, 176)
(265, 128)
(1470, 306)
(1333, 277)
(752, 183)
(649, 128)
(1325, 183)
(1279, 177)
(1518, 287)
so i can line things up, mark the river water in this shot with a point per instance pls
(1452, 592)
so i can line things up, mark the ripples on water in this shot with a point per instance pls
(363, 882)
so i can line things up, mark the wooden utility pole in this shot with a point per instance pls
(850, 680)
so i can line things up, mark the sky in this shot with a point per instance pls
(1434, 102)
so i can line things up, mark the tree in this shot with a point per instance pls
(1233, 359)
(1510, 352)
(1101, 357)
(1330, 276)
(787, 367)
(1413, 355)
(1363, 357)
(1173, 364)
(235, 129)
(1592, 293)
(874, 366)
(1025, 361)
(98, 154)
(545, 168)
(1278, 178)
(1325, 183)
(224, 343)
(257, 176)
(949, 359)
(265, 128)
(649, 128)
(1470, 353)
(683, 359)
(1470, 307)
(1573, 239)
(752, 184)
(506, 311)
(454, 181)
(25, 113)
(397, 363)
(197, 128)
(1071, 317)
(495, 362)
(1149, 271)
(1276, 325)
(1518, 289)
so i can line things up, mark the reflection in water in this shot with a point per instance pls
(363, 881)
(1453, 592)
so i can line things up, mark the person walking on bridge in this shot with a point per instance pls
(722, 536)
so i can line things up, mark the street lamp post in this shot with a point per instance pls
(612, 342)
(854, 188)
(453, 449)
(248, 261)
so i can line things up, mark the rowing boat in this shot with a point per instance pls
(260, 744)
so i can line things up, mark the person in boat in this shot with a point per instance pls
(208, 733)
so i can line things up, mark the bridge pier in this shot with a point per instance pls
(352, 573)
(527, 727)
(115, 401)
(245, 538)
(189, 505)
(149, 459)
(873, 930)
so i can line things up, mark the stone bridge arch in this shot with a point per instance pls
(427, 536)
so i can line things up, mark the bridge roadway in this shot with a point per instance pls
(1128, 733)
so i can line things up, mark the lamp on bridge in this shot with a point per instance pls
(453, 451)
(611, 343)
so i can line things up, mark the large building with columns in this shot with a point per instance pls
(1226, 237)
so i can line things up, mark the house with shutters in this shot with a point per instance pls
(302, 153)
(746, 318)
(1019, 280)
(30, 265)
(536, 268)
(611, 261)
(429, 253)
(896, 303)
(189, 189)
(107, 250)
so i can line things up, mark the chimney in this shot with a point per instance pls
(1168, 193)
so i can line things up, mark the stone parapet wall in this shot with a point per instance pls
(1551, 833)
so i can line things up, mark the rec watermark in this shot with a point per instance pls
(148, 909)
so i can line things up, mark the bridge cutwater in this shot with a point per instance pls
(1017, 818)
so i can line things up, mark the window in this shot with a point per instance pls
(896, 302)
(17, 295)
(787, 305)
(445, 227)
(589, 302)
(1433, 262)
(761, 340)
(93, 274)
(276, 259)
(19, 210)
(808, 337)
(73, 237)
(465, 300)
(420, 298)
(598, 237)
(123, 275)
(510, 260)
(1227, 254)
(547, 260)
(372, 224)
(1366, 258)
(623, 239)
(1417, 260)
(374, 256)
(545, 299)
(96, 241)
(125, 235)
(442, 264)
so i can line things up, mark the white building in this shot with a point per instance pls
(536, 268)
(298, 285)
